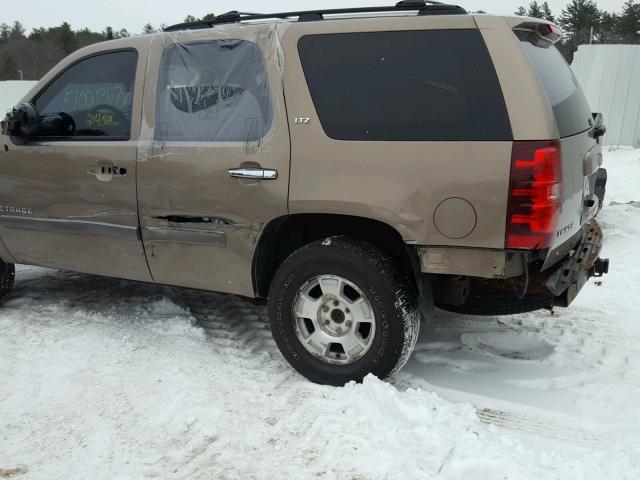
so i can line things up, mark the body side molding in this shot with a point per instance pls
(70, 226)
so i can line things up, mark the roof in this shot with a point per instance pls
(421, 7)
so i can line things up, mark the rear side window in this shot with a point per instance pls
(570, 107)
(213, 92)
(96, 93)
(405, 86)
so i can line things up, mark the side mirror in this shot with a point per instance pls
(23, 121)
(56, 125)
(4, 124)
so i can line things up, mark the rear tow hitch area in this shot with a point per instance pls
(569, 278)
(600, 268)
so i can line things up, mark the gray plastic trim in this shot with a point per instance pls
(51, 225)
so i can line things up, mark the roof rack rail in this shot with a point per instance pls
(423, 7)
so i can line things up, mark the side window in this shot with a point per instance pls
(214, 91)
(405, 86)
(92, 98)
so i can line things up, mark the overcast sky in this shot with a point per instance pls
(133, 15)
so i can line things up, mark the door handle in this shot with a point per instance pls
(106, 170)
(253, 173)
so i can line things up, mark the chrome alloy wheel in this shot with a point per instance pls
(334, 320)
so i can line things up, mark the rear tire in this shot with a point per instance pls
(342, 309)
(7, 276)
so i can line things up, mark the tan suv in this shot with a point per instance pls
(353, 167)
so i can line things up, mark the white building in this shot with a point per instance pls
(610, 77)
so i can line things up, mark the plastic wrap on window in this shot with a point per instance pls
(219, 85)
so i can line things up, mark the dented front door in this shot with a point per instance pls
(215, 167)
(68, 197)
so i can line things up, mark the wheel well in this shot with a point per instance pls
(284, 235)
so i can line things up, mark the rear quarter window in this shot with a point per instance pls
(570, 107)
(405, 86)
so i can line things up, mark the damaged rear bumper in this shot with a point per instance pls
(572, 274)
(506, 282)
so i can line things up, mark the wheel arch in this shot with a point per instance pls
(284, 235)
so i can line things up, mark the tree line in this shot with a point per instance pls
(31, 55)
(583, 22)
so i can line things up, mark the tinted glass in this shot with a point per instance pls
(97, 93)
(215, 91)
(408, 85)
(570, 106)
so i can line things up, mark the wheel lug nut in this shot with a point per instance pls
(339, 329)
(348, 311)
(348, 323)
(325, 309)
(336, 303)
(326, 322)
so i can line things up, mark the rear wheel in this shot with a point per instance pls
(342, 309)
(7, 275)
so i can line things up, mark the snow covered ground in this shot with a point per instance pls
(109, 379)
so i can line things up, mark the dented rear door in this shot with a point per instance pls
(214, 168)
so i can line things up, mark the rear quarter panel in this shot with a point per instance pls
(398, 183)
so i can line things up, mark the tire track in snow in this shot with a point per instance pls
(527, 339)
(519, 418)
(542, 426)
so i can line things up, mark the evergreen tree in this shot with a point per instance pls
(546, 12)
(5, 31)
(190, 18)
(64, 37)
(628, 24)
(148, 28)
(535, 10)
(578, 18)
(86, 37)
(38, 34)
(17, 31)
(608, 31)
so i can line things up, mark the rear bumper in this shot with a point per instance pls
(572, 274)
(503, 288)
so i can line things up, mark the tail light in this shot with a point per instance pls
(535, 194)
